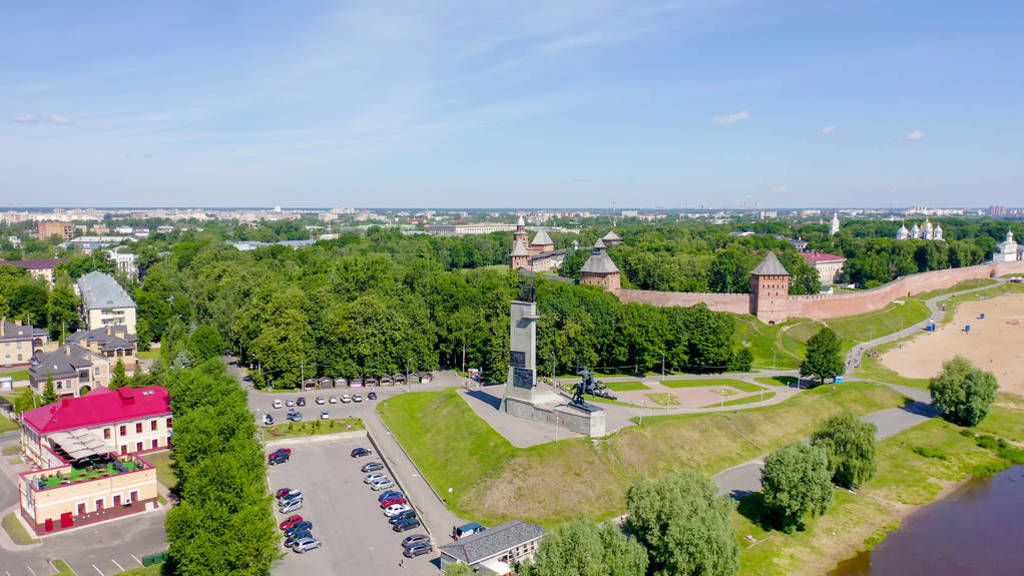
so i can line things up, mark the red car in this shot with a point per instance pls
(287, 451)
(282, 492)
(391, 501)
(290, 521)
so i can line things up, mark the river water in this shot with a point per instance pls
(978, 529)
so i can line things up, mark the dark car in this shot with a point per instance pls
(301, 401)
(291, 539)
(372, 467)
(372, 396)
(294, 416)
(418, 549)
(402, 516)
(287, 451)
(303, 526)
(277, 459)
(406, 524)
(282, 492)
(414, 539)
(390, 494)
(359, 452)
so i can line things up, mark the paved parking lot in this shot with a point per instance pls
(356, 536)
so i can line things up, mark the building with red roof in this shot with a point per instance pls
(86, 453)
(829, 266)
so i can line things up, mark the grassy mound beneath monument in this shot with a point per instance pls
(493, 481)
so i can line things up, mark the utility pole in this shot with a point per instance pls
(663, 364)
(302, 375)
(463, 355)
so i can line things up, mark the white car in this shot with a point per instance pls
(357, 398)
(320, 400)
(396, 509)
(371, 478)
(385, 484)
(278, 404)
(324, 415)
(332, 399)
(345, 398)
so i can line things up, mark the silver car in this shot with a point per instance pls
(306, 544)
(383, 484)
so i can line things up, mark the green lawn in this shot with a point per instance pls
(17, 375)
(600, 400)
(626, 386)
(1005, 422)
(152, 570)
(493, 481)
(11, 450)
(913, 468)
(965, 285)
(744, 400)
(663, 398)
(311, 428)
(7, 425)
(150, 354)
(62, 568)
(164, 472)
(702, 382)
(16, 530)
(766, 343)
(892, 318)
(777, 380)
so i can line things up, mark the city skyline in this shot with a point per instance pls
(648, 105)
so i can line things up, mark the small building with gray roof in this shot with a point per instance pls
(496, 550)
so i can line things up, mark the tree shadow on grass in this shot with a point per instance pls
(753, 508)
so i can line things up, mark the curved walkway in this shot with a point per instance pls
(853, 358)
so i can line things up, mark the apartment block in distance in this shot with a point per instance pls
(87, 457)
(63, 230)
(105, 302)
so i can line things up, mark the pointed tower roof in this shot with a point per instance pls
(519, 249)
(541, 239)
(915, 229)
(770, 266)
(611, 235)
(520, 222)
(599, 262)
(903, 227)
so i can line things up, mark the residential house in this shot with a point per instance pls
(112, 342)
(63, 230)
(19, 342)
(37, 268)
(105, 302)
(828, 266)
(74, 369)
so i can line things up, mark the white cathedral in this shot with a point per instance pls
(927, 232)
(1007, 250)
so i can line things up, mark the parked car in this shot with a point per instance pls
(277, 458)
(301, 401)
(391, 501)
(293, 539)
(359, 452)
(287, 451)
(303, 526)
(268, 420)
(277, 404)
(289, 403)
(320, 400)
(402, 516)
(372, 396)
(407, 524)
(371, 478)
(332, 399)
(291, 495)
(389, 494)
(466, 530)
(357, 398)
(305, 545)
(294, 416)
(395, 509)
(324, 415)
(417, 549)
(372, 467)
(282, 492)
(289, 507)
(414, 539)
(384, 484)
(345, 398)
(291, 521)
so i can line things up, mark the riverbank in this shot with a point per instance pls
(915, 468)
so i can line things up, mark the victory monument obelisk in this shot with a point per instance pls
(522, 396)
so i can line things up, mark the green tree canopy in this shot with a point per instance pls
(824, 357)
(684, 524)
(963, 393)
(206, 342)
(796, 482)
(119, 376)
(582, 548)
(49, 394)
(850, 446)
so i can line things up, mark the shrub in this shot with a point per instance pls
(963, 393)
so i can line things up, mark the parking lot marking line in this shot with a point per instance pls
(98, 570)
(136, 558)
(30, 569)
(119, 567)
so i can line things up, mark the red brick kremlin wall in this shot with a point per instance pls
(819, 307)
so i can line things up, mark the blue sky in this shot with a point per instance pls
(509, 104)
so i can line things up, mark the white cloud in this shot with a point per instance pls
(42, 119)
(915, 135)
(827, 130)
(779, 189)
(730, 119)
